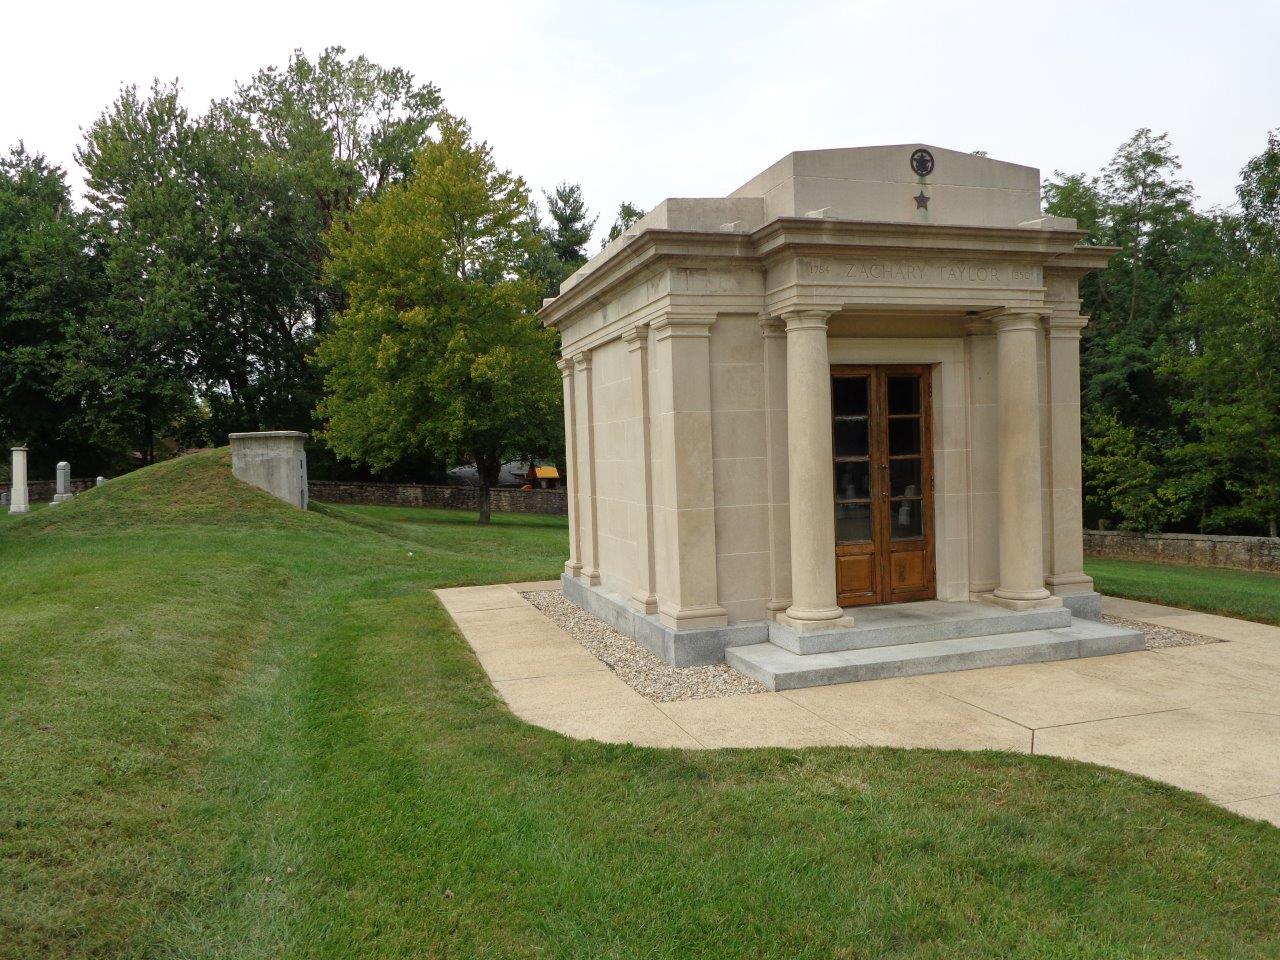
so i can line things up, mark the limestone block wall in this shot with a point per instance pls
(739, 466)
(616, 467)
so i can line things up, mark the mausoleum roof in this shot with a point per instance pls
(879, 184)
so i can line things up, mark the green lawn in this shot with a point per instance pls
(228, 729)
(1232, 593)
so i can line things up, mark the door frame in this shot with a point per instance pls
(881, 545)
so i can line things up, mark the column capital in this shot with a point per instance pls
(566, 366)
(582, 360)
(637, 338)
(1066, 328)
(681, 324)
(806, 319)
(1011, 320)
(772, 326)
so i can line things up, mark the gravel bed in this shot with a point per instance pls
(1159, 638)
(655, 679)
(649, 675)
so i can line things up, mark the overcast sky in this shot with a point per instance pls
(643, 101)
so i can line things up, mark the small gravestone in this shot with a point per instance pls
(63, 491)
(100, 481)
(18, 502)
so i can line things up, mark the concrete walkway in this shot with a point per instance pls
(1204, 718)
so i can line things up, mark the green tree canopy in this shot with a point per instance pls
(47, 281)
(628, 214)
(437, 348)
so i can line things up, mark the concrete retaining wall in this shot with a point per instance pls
(274, 461)
(503, 500)
(1240, 553)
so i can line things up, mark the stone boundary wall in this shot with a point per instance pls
(502, 499)
(1240, 553)
(41, 491)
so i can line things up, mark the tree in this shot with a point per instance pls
(1139, 205)
(47, 280)
(128, 358)
(1228, 353)
(437, 348)
(628, 215)
(571, 227)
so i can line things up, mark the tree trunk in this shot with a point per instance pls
(488, 472)
(1272, 525)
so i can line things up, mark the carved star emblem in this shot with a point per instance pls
(922, 201)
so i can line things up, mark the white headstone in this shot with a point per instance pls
(63, 493)
(18, 502)
(100, 481)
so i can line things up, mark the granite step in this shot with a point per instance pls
(919, 622)
(780, 669)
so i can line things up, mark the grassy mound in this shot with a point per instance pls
(232, 729)
(195, 489)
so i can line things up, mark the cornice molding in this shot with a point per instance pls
(1055, 250)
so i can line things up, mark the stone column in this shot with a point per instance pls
(1066, 559)
(645, 598)
(18, 500)
(687, 585)
(774, 333)
(810, 476)
(1018, 464)
(573, 564)
(62, 489)
(584, 418)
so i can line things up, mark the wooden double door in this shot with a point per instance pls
(881, 440)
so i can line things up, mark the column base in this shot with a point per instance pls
(693, 618)
(808, 625)
(571, 567)
(1047, 602)
(1065, 584)
(644, 603)
(589, 576)
(774, 608)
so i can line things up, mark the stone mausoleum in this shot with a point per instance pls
(827, 428)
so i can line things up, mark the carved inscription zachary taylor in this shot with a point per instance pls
(949, 272)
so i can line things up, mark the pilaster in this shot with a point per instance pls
(773, 331)
(1066, 574)
(573, 565)
(687, 587)
(589, 538)
(645, 598)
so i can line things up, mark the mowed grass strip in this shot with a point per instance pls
(234, 730)
(1246, 594)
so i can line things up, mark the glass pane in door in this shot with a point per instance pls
(904, 436)
(853, 522)
(906, 519)
(853, 479)
(849, 396)
(904, 477)
(904, 394)
(851, 438)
